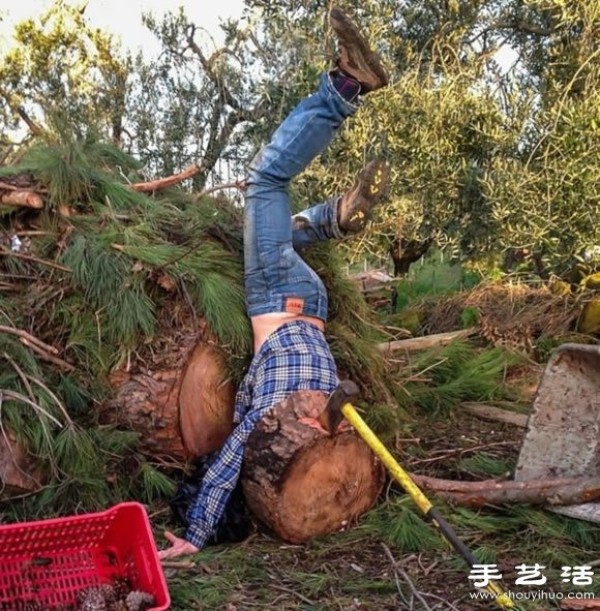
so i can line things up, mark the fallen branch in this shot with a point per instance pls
(427, 341)
(555, 492)
(6, 186)
(23, 335)
(48, 357)
(169, 181)
(43, 350)
(303, 598)
(495, 414)
(16, 255)
(178, 564)
(399, 570)
(238, 184)
(23, 198)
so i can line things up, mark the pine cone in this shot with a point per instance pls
(121, 587)
(109, 593)
(138, 601)
(92, 599)
(118, 605)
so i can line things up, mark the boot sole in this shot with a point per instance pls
(371, 187)
(368, 61)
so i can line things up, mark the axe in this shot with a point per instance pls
(339, 407)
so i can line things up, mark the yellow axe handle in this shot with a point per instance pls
(422, 502)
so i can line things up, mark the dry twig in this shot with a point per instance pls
(17, 255)
(398, 569)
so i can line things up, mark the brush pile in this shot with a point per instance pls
(113, 304)
(510, 315)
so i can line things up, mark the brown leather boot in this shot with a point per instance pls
(355, 206)
(356, 58)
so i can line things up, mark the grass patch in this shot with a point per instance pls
(434, 276)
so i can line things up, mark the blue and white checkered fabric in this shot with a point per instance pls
(295, 357)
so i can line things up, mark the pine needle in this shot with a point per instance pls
(156, 484)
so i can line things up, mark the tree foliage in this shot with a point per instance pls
(62, 73)
(485, 156)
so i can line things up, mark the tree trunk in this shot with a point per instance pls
(302, 482)
(405, 252)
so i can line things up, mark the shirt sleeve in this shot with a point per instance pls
(218, 483)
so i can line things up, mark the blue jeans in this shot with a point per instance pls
(276, 277)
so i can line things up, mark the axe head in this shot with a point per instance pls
(332, 415)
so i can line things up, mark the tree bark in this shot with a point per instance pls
(406, 252)
(302, 482)
(181, 404)
(555, 492)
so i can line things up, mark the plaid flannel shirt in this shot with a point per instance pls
(295, 357)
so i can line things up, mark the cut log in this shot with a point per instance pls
(146, 403)
(427, 341)
(206, 401)
(554, 492)
(302, 482)
(182, 407)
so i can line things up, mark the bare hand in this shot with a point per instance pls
(179, 547)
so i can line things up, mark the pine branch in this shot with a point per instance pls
(16, 255)
(169, 181)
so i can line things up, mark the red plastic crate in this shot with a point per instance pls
(49, 561)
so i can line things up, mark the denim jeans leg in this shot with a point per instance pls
(276, 277)
(316, 224)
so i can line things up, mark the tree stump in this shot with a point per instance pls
(302, 482)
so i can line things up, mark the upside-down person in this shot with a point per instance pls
(286, 299)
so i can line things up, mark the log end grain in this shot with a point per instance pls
(300, 481)
(206, 401)
(330, 484)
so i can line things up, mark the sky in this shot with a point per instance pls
(123, 17)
